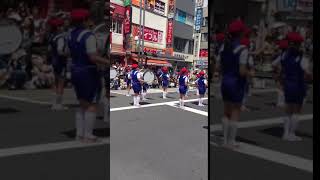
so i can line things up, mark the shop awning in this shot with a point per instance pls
(155, 62)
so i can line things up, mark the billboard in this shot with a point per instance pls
(171, 10)
(198, 22)
(150, 35)
(170, 32)
(156, 6)
(127, 20)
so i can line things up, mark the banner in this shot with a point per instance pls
(127, 20)
(181, 16)
(170, 32)
(172, 8)
(198, 22)
(150, 35)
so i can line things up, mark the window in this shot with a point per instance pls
(184, 17)
(183, 45)
(116, 26)
(204, 37)
(205, 22)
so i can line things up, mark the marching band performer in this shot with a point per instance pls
(296, 70)
(58, 49)
(283, 45)
(183, 85)
(85, 75)
(250, 65)
(136, 80)
(202, 85)
(165, 82)
(233, 62)
(145, 87)
(128, 79)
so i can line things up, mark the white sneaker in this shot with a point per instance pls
(128, 95)
(201, 105)
(293, 137)
(58, 107)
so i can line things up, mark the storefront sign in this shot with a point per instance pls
(171, 12)
(119, 12)
(203, 53)
(198, 22)
(201, 62)
(186, 57)
(199, 3)
(153, 50)
(170, 32)
(305, 5)
(127, 20)
(159, 7)
(137, 2)
(286, 5)
(150, 35)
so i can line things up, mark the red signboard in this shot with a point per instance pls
(127, 20)
(203, 53)
(152, 50)
(170, 32)
(151, 35)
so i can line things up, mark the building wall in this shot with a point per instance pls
(152, 21)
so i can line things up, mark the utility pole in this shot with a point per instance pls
(140, 33)
(144, 22)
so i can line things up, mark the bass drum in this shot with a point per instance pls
(113, 73)
(10, 37)
(148, 76)
(102, 34)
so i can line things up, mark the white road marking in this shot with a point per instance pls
(25, 100)
(261, 122)
(150, 91)
(49, 147)
(274, 156)
(204, 113)
(151, 105)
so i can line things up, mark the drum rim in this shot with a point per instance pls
(146, 71)
(11, 22)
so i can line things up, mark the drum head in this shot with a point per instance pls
(10, 37)
(148, 77)
(113, 73)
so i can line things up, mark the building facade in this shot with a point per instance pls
(183, 30)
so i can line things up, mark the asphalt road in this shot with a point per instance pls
(158, 141)
(262, 154)
(38, 143)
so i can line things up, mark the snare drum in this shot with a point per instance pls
(148, 76)
(10, 37)
(113, 73)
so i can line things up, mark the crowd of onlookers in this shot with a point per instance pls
(29, 66)
(122, 71)
(264, 42)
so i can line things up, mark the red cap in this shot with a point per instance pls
(247, 31)
(55, 22)
(236, 26)
(245, 42)
(283, 44)
(294, 37)
(165, 69)
(79, 14)
(134, 66)
(220, 37)
(201, 73)
(184, 70)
